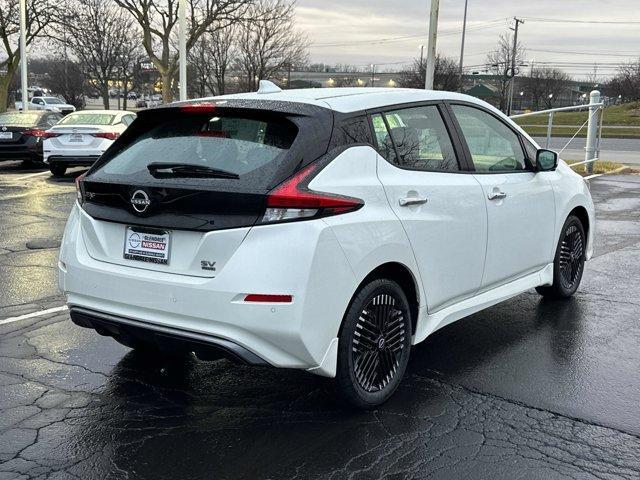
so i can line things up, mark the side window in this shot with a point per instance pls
(421, 140)
(38, 101)
(350, 131)
(383, 139)
(494, 147)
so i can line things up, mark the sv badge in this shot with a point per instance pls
(207, 265)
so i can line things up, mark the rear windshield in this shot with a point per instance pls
(87, 119)
(241, 145)
(19, 119)
(53, 100)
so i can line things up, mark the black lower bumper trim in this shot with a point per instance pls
(205, 347)
(72, 161)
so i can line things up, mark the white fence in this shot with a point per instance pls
(593, 123)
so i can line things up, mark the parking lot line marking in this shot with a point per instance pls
(33, 175)
(27, 316)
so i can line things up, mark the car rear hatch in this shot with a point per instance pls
(180, 189)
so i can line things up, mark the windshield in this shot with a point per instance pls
(87, 119)
(19, 119)
(238, 145)
(53, 101)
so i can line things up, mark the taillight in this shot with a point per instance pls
(292, 200)
(34, 132)
(80, 188)
(107, 135)
(50, 134)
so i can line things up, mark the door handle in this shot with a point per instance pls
(405, 202)
(496, 195)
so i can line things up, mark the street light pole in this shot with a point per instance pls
(182, 26)
(373, 74)
(431, 47)
(23, 55)
(464, 33)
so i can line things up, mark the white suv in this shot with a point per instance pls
(327, 229)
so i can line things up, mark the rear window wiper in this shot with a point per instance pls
(188, 170)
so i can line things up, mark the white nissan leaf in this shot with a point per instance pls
(328, 230)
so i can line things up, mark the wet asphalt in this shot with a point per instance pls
(526, 389)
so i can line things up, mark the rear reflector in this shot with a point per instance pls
(258, 297)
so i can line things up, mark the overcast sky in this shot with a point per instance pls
(366, 31)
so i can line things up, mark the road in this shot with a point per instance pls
(526, 389)
(620, 150)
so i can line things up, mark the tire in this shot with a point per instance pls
(374, 344)
(568, 264)
(57, 170)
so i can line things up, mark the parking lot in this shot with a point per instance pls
(525, 389)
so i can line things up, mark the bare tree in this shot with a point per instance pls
(40, 15)
(268, 41)
(211, 58)
(158, 20)
(100, 35)
(499, 63)
(626, 83)
(554, 83)
(68, 79)
(446, 75)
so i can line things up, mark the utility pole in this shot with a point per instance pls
(373, 74)
(464, 33)
(23, 55)
(182, 21)
(513, 64)
(288, 75)
(431, 44)
(421, 54)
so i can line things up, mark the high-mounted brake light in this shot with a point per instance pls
(264, 298)
(107, 135)
(292, 200)
(203, 107)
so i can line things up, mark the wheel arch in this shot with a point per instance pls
(403, 276)
(583, 216)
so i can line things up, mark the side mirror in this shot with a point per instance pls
(546, 160)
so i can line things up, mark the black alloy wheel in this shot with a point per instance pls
(375, 343)
(568, 264)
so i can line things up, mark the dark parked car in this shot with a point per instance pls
(22, 133)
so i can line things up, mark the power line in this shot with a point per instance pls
(575, 52)
(560, 20)
(480, 26)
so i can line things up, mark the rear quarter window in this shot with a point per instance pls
(351, 131)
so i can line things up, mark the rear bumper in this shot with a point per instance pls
(301, 334)
(34, 155)
(72, 160)
(206, 347)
